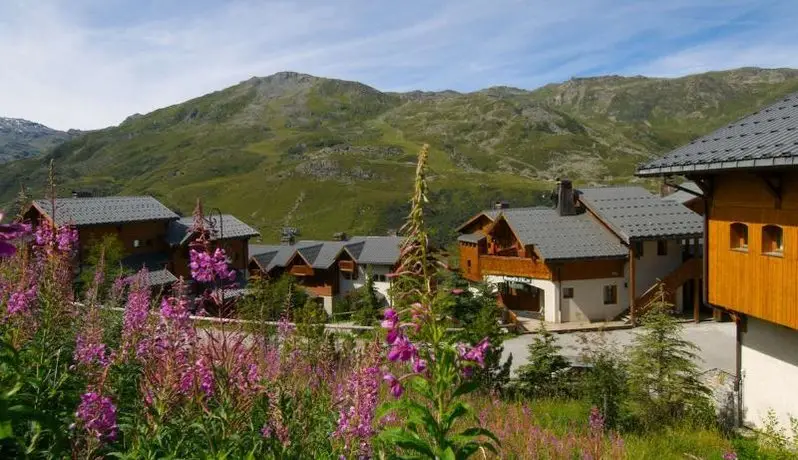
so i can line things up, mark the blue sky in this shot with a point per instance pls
(90, 63)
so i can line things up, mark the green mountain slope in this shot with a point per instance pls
(329, 155)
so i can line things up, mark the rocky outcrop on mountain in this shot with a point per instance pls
(22, 138)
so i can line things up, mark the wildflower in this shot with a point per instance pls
(596, 421)
(402, 350)
(395, 384)
(20, 301)
(457, 291)
(97, 415)
(89, 351)
(136, 309)
(356, 417)
(475, 354)
(730, 455)
(10, 232)
(419, 365)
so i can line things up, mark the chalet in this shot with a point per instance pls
(152, 235)
(329, 269)
(748, 175)
(599, 254)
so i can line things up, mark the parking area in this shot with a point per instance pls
(716, 343)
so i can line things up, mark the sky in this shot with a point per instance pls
(89, 64)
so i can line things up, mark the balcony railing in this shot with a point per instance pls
(513, 266)
(346, 265)
(301, 270)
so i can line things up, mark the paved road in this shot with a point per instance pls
(716, 341)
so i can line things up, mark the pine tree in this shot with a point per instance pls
(367, 303)
(664, 379)
(543, 375)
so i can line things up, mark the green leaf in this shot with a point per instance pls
(476, 431)
(448, 454)
(465, 388)
(406, 440)
(460, 408)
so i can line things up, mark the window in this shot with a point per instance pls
(610, 294)
(380, 278)
(772, 240)
(468, 263)
(639, 249)
(136, 243)
(353, 276)
(662, 247)
(568, 293)
(739, 236)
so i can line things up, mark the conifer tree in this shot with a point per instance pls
(664, 379)
(543, 375)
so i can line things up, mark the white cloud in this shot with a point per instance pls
(91, 63)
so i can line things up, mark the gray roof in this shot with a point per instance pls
(155, 263)
(161, 277)
(178, 232)
(378, 250)
(634, 213)
(682, 197)
(475, 237)
(557, 237)
(765, 139)
(106, 210)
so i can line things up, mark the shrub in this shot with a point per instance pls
(544, 376)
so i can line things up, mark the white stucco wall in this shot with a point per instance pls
(587, 303)
(769, 360)
(651, 266)
(346, 286)
(551, 297)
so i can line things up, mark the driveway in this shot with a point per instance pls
(716, 343)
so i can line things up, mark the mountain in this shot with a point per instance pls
(22, 138)
(328, 155)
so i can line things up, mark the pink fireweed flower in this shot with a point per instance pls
(88, 352)
(9, 232)
(394, 384)
(206, 267)
(136, 309)
(96, 414)
(457, 291)
(730, 455)
(21, 301)
(402, 350)
(474, 354)
(419, 365)
(596, 421)
(358, 406)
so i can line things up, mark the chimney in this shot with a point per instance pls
(288, 235)
(340, 236)
(501, 204)
(566, 205)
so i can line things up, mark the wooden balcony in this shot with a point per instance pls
(513, 266)
(347, 266)
(301, 270)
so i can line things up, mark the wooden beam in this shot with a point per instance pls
(773, 185)
(669, 182)
(632, 291)
(696, 303)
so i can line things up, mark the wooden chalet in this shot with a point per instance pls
(600, 254)
(330, 269)
(748, 175)
(152, 235)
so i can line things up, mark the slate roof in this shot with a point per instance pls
(378, 250)
(178, 231)
(156, 267)
(106, 210)
(682, 197)
(634, 213)
(765, 139)
(557, 237)
(475, 237)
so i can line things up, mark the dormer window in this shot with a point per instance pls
(738, 237)
(772, 240)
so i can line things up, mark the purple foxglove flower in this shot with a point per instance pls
(395, 384)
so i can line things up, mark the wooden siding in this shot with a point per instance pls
(469, 260)
(751, 282)
(513, 266)
(591, 269)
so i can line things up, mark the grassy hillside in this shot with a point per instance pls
(328, 155)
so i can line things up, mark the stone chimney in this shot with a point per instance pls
(566, 201)
(288, 235)
(340, 236)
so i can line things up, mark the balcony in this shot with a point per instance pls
(513, 266)
(347, 265)
(301, 270)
